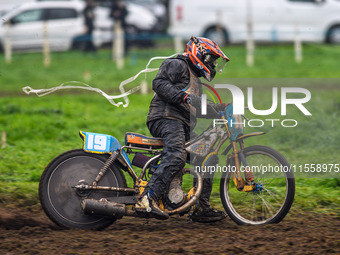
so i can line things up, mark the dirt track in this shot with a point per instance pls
(29, 231)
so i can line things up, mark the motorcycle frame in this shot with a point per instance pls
(237, 156)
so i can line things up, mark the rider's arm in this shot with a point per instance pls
(171, 78)
(212, 112)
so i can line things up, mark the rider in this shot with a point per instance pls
(172, 117)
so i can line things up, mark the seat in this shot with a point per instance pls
(138, 140)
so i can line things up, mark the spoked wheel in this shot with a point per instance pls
(62, 203)
(274, 192)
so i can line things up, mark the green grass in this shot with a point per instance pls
(38, 129)
(276, 61)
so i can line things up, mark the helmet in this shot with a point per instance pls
(204, 53)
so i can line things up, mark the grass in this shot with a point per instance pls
(39, 129)
(276, 61)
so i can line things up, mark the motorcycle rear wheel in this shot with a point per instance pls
(274, 195)
(62, 203)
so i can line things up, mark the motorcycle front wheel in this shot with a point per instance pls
(273, 195)
(62, 202)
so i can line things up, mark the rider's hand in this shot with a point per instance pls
(193, 100)
(187, 99)
(219, 107)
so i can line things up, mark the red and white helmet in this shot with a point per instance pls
(204, 54)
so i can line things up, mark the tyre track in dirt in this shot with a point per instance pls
(28, 231)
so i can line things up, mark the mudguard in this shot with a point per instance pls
(103, 144)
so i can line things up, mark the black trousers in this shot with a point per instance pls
(89, 45)
(174, 134)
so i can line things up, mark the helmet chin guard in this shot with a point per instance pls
(204, 54)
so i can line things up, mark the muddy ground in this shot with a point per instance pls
(26, 230)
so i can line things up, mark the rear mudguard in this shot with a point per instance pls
(226, 150)
(104, 144)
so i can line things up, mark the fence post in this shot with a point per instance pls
(297, 44)
(87, 75)
(3, 139)
(250, 46)
(219, 28)
(8, 44)
(177, 39)
(46, 46)
(144, 87)
(118, 44)
(178, 43)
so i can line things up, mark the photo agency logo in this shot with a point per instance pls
(239, 105)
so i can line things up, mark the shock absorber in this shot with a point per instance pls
(248, 173)
(106, 166)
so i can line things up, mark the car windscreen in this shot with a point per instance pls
(28, 16)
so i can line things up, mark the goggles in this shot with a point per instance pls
(212, 60)
(221, 65)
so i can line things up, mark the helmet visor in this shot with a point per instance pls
(211, 60)
(221, 65)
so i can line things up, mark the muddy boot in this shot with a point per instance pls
(148, 205)
(207, 215)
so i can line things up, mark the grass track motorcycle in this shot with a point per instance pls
(87, 189)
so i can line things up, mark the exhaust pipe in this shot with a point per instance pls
(103, 208)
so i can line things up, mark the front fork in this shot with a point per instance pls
(241, 184)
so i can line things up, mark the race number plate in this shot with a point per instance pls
(99, 143)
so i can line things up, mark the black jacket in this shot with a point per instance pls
(168, 102)
(89, 18)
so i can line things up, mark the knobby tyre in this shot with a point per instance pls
(274, 195)
(62, 203)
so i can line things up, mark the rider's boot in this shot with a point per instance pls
(148, 204)
(206, 215)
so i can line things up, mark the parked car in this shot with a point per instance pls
(6, 6)
(65, 24)
(157, 7)
(279, 20)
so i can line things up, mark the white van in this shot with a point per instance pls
(273, 20)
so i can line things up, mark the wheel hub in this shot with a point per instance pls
(258, 188)
(80, 189)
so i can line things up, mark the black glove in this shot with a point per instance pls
(194, 100)
(219, 107)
